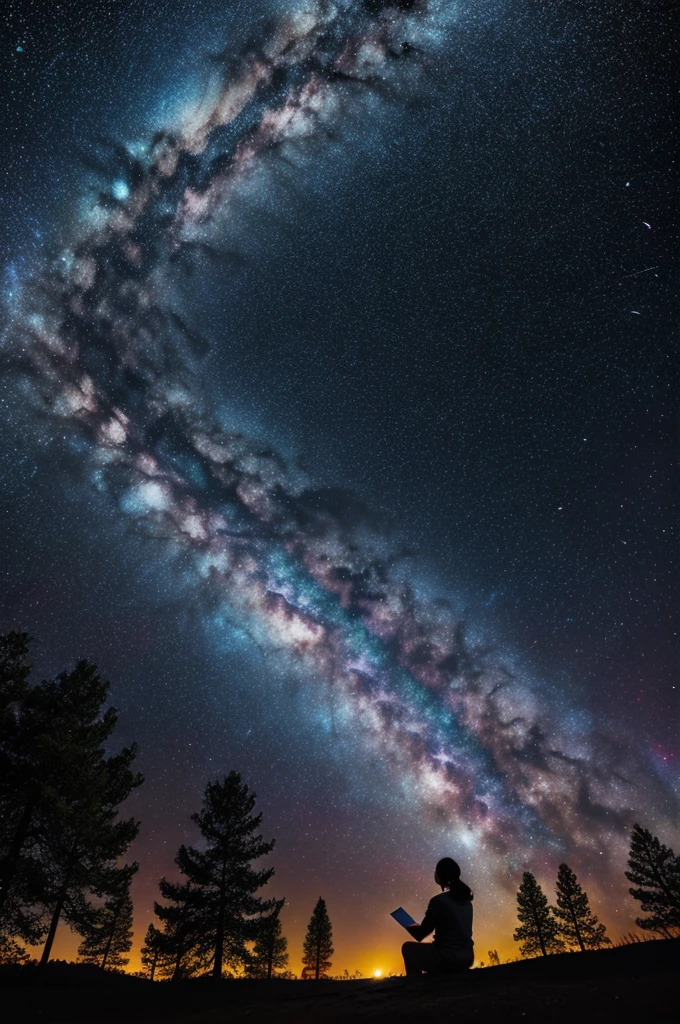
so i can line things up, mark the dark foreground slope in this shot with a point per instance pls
(634, 983)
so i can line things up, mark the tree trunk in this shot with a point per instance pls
(318, 955)
(10, 861)
(153, 964)
(182, 930)
(178, 963)
(111, 933)
(270, 955)
(219, 938)
(53, 927)
(539, 932)
(61, 899)
(576, 927)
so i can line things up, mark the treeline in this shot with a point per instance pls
(212, 921)
(62, 841)
(64, 846)
(570, 923)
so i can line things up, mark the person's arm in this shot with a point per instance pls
(426, 927)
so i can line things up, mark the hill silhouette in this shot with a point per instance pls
(630, 982)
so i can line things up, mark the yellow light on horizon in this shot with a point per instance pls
(377, 974)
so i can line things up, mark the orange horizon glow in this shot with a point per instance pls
(355, 950)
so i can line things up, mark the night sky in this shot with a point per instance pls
(339, 429)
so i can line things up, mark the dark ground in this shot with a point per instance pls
(633, 983)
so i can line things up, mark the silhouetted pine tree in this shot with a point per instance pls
(538, 928)
(217, 910)
(154, 957)
(109, 934)
(82, 837)
(576, 923)
(60, 836)
(270, 950)
(654, 870)
(317, 949)
(494, 959)
(180, 941)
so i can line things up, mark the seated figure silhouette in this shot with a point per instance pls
(449, 916)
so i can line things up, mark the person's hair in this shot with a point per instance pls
(448, 873)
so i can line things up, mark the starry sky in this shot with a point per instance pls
(339, 428)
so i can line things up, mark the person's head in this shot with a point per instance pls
(447, 875)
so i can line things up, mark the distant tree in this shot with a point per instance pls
(108, 936)
(494, 959)
(631, 939)
(154, 955)
(537, 932)
(182, 951)
(210, 918)
(317, 949)
(576, 923)
(269, 956)
(654, 871)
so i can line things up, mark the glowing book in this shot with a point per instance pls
(402, 917)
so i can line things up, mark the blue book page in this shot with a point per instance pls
(402, 917)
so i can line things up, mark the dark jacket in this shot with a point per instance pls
(451, 923)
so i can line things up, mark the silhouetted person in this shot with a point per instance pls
(449, 916)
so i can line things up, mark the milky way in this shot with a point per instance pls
(304, 571)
